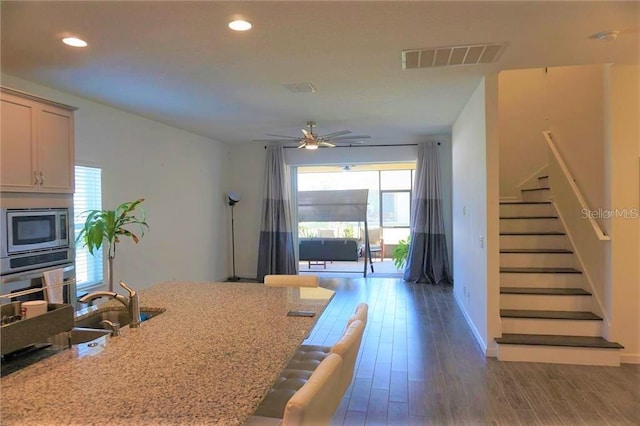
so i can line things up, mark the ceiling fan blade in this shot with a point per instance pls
(344, 138)
(334, 134)
(327, 144)
(275, 140)
(349, 143)
(307, 134)
(302, 145)
(282, 136)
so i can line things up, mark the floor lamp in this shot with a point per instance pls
(233, 199)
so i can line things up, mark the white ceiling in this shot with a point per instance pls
(178, 63)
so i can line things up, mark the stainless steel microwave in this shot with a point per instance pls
(34, 238)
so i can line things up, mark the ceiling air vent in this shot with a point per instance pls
(300, 88)
(451, 56)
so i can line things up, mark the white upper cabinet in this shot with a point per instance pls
(36, 145)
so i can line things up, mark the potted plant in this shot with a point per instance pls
(108, 226)
(401, 252)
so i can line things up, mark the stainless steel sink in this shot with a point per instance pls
(77, 336)
(115, 315)
(84, 335)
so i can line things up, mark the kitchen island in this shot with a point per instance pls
(208, 359)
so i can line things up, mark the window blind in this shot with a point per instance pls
(88, 196)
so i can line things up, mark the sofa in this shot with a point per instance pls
(328, 249)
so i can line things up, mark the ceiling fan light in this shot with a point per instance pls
(240, 25)
(74, 42)
(311, 146)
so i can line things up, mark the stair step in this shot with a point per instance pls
(543, 177)
(553, 340)
(526, 208)
(536, 194)
(528, 217)
(541, 280)
(535, 189)
(536, 251)
(545, 291)
(540, 270)
(530, 225)
(546, 303)
(536, 260)
(524, 202)
(519, 241)
(557, 327)
(533, 233)
(569, 315)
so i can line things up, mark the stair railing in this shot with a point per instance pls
(567, 174)
(589, 247)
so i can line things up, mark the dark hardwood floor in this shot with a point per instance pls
(419, 364)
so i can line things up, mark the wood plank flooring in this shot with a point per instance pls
(419, 364)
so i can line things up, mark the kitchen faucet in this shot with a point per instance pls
(132, 303)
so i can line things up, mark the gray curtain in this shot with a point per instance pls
(428, 261)
(276, 249)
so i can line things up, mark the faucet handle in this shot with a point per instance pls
(131, 291)
(114, 326)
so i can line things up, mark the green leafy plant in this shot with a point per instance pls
(304, 232)
(348, 232)
(401, 252)
(108, 226)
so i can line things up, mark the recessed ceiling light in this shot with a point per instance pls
(74, 41)
(240, 25)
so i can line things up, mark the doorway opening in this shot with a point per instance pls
(388, 213)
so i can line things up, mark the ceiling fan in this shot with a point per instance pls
(310, 140)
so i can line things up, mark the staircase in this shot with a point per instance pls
(547, 315)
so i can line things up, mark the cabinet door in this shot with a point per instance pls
(18, 152)
(55, 150)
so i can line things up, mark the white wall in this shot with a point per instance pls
(475, 212)
(182, 177)
(623, 167)
(576, 120)
(522, 105)
(247, 175)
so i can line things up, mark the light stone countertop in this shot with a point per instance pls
(209, 359)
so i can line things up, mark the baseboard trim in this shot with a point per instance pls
(629, 358)
(472, 326)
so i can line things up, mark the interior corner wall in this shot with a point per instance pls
(623, 140)
(181, 175)
(522, 104)
(492, 239)
(247, 163)
(469, 161)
